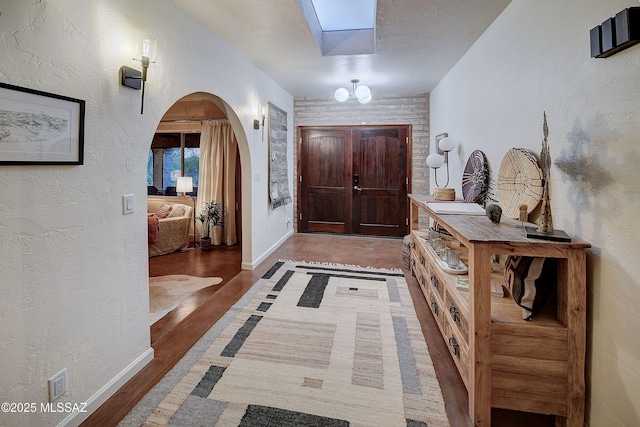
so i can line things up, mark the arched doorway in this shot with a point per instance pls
(179, 132)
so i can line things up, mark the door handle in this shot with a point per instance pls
(355, 187)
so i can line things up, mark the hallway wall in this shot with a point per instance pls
(73, 268)
(534, 58)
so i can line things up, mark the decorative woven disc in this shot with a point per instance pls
(475, 178)
(519, 182)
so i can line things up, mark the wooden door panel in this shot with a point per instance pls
(326, 212)
(378, 214)
(326, 161)
(325, 194)
(380, 157)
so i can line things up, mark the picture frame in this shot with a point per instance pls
(438, 139)
(40, 128)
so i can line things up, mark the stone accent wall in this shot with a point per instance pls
(382, 110)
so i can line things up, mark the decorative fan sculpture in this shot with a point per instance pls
(475, 178)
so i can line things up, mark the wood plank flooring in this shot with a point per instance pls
(173, 335)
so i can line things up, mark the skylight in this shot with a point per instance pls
(342, 27)
(339, 15)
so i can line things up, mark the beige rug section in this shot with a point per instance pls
(168, 292)
(308, 345)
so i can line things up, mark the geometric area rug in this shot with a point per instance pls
(168, 292)
(309, 344)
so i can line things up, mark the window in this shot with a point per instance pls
(166, 159)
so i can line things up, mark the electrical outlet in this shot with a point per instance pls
(57, 385)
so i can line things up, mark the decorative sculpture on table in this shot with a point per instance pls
(475, 179)
(494, 213)
(545, 229)
(546, 221)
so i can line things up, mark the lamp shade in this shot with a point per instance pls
(184, 184)
(341, 94)
(447, 144)
(147, 47)
(363, 92)
(434, 161)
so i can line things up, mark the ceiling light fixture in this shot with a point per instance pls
(362, 93)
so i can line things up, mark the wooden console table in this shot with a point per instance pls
(504, 361)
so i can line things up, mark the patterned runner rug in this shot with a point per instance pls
(308, 345)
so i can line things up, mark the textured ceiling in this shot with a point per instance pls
(417, 42)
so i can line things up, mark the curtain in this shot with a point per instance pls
(217, 178)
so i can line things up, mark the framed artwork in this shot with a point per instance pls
(438, 139)
(40, 128)
(279, 194)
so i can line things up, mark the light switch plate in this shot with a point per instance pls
(128, 204)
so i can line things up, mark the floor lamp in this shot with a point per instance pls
(184, 186)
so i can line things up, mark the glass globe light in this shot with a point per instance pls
(447, 144)
(434, 161)
(341, 94)
(365, 100)
(363, 92)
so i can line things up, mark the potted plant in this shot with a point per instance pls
(210, 217)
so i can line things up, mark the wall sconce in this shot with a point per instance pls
(260, 122)
(362, 93)
(435, 161)
(130, 77)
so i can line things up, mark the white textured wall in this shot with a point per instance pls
(536, 57)
(73, 269)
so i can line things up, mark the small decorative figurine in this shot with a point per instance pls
(494, 212)
(523, 213)
(523, 216)
(546, 221)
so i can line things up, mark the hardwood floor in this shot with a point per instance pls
(175, 334)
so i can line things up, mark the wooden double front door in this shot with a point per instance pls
(354, 180)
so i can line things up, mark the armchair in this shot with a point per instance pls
(173, 230)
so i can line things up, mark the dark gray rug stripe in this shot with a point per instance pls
(273, 270)
(349, 270)
(283, 281)
(264, 306)
(408, 371)
(208, 382)
(347, 276)
(314, 292)
(241, 336)
(392, 288)
(413, 423)
(263, 416)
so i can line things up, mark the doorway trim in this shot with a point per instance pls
(245, 180)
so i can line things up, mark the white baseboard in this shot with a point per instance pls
(94, 402)
(253, 265)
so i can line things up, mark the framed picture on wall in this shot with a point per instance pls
(40, 128)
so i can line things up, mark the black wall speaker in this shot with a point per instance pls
(616, 34)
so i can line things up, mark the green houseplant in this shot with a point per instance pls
(210, 216)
